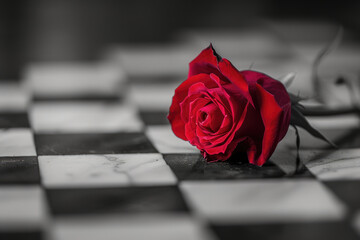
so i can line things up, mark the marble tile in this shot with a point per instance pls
(130, 227)
(22, 207)
(154, 59)
(106, 98)
(16, 142)
(19, 170)
(116, 200)
(84, 117)
(155, 97)
(13, 97)
(194, 167)
(105, 170)
(69, 79)
(101, 143)
(258, 201)
(286, 160)
(22, 234)
(348, 121)
(14, 120)
(253, 45)
(342, 164)
(165, 140)
(356, 223)
(346, 191)
(344, 138)
(154, 117)
(330, 230)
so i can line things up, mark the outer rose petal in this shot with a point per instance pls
(277, 90)
(273, 102)
(205, 62)
(234, 76)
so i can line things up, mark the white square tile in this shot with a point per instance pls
(16, 142)
(74, 78)
(131, 227)
(153, 59)
(105, 170)
(348, 121)
(152, 97)
(22, 207)
(165, 140)
(13, 97)
(78, 117)
(342, 164)
(254, 201)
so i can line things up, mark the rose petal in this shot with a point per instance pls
(177, 124)
(273, 119)
(234, 76)
(206, 62)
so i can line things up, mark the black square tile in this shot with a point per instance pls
(194, 167)
(344, 138)
(349, 140)
(14, 120)
(116, 200)
(156, 79)
(347, 191)
(293, 231)
(154, 117)
(21, 235)
(107, 143)
(19, 170)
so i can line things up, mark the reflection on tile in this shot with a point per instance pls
(194, 167)
(14, 120)
(16, 142)
(19, 170)
(333, 164)
(346, 191)
(331, 230)
(165, 140)
(152, 97)
(22, 206)
(13, 97)
(74, 79)
(263, 201)
(105, 170)
(116, 201)
(84, 117)
(109, 143)
(131, 227)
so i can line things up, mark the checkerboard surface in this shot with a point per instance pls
(98, 160)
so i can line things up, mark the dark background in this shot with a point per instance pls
(51, 30)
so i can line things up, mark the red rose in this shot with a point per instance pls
(221, 110)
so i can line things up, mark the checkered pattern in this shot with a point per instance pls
(101, 162)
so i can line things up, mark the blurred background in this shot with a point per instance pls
(77, 30)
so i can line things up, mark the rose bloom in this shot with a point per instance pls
(221, 110)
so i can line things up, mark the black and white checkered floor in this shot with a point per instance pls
(86, 155)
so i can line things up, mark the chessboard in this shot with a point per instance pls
(86, 152)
